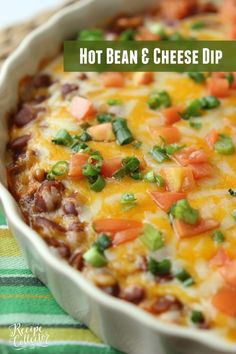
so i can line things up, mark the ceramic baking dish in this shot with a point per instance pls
(120, 324)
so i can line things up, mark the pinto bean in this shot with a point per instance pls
(39, 174)
(42, 80)
(49, 196)
(113, 290)
(19, 143)
(26, 114)
(134, 294)
(76, 260)
(48, 226)
(166, 303)
(82, 76)
(59, 245)
(39, 99)
(69, 208)
(68, 88)
(76, 226)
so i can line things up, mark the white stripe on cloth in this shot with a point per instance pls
(37, 319)
(14, 262)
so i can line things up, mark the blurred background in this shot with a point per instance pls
(13, 11)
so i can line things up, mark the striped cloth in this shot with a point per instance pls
(28, 312)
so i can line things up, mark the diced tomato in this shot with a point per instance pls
(212, 137)
(233, 32)
(190, 155)
(218, 75)
(171, 115)
(178, 9)
(183, 229)
(228, 11)
(145, 35)
(143, 78)
(220, 258)
(233, 85)
(218, 87)
(113, 80)
(115, 225)
(77, 161)
(170, 134)
(225, 301)
(165, 200)
(228, 271)
(178, 179)
(110, 166)
(102, 132)
(81, 108)
(202, 170)
(126, 236)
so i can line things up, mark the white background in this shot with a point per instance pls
(13, 11)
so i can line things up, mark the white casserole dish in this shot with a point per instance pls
(120, 324)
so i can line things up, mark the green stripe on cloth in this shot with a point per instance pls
(26, 301)
(62, 349)
(2, 219)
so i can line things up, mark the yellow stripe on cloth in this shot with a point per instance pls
(8, 245)
(64, 334)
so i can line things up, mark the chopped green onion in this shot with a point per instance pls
(150, 177)
(158, 28)
(104, 117)
(128, 198)
(128, 201)
(114, 102)
(98, 185)
(183, 211)
(234, 214)
(193, 123)
(102, 243)
(137, 175)
(232, 192)
(95, 257)
(197, 77)
(152, 238)
(77, 146)
(224, 145)
(127, 35)
(218, 237)
(160, 181)
(153, 178)
(193, 110)
(197, 317)
(173, 148)
(122, 132)
(176, 36)
(60, 168)
(137, 144)
(198, 25)
(185, 278)
(159, 99)
(230, 78)
(63, 138)
(159, 268)
(209, 102)
(85, 137)
(90, 170)
(131, 164)
(120, 174)
(159, 154)
(94, 34)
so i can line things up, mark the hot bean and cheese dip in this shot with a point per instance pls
(131, 177)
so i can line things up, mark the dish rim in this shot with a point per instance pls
(12, 213)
